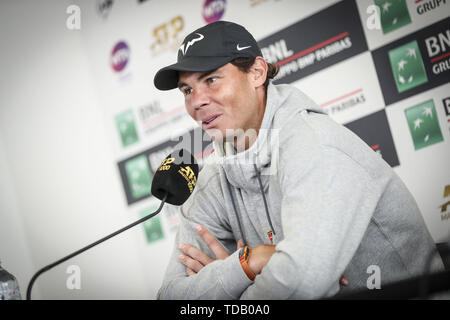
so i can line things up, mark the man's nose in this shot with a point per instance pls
(199, 99)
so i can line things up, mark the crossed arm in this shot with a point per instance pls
(194, 259)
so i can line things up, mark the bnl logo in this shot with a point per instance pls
(446, 103)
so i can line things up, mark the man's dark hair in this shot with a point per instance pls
(244, 64)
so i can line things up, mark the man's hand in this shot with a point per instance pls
(260, 256)
(194, 259)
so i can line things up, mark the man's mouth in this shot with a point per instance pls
(208, 122)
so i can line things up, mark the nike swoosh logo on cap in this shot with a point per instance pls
(190, 43)
(239, 48)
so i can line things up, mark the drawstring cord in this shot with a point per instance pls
(237, 215)
(264, 198)
(265, 206)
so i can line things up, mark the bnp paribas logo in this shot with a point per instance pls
(127, 128)
(152, 227)
(393, 14)
(407, 66)
(424, 125)
(139, 176)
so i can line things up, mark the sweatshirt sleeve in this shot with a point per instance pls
(327, 202)
(221, 279)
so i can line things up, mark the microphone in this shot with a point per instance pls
(173, 182)
(177, 177)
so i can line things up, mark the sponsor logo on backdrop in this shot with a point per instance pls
(407, 66)
(120, 55)
(445, 207)
(152, 117)
(438, 51)
(156, 157)
(213, 10)
(394, 14)
(104, 7)
(446, 102)
(152, 227)
(126, 128)
(375, 131)
(167, 36)
(150, 110)
(344, 102)
(139, 177)
(416, 63)
(137, 171)
(423, 125)
(321, 46)
(423, 6)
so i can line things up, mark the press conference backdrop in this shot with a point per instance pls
(381, 68)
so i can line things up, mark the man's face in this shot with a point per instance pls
(221, 100)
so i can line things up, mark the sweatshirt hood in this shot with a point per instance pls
(282, 102)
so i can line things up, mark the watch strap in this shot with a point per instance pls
(244, 256)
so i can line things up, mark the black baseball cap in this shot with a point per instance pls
(208, 48)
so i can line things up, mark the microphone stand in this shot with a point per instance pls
(50, 266)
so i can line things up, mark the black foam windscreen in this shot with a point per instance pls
(176, 177)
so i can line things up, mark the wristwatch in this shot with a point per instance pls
(244, 256)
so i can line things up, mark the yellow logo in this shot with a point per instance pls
(447, 191)
(166, 36)
(190, 177)
(444, 214)
(165, 165)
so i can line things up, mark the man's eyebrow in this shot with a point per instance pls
(203, 75)
(181, 85)
(200, 77)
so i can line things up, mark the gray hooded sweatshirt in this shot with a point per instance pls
(330, 204)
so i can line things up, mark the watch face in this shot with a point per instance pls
(243, 254)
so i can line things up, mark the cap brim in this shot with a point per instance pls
(167, 78)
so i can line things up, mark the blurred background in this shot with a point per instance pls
(82, 127)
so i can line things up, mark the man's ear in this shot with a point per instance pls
(258, 72)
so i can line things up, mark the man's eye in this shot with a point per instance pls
(187, 91)
(211, 79)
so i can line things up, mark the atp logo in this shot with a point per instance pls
(445, 215)
(407, 66)
(166, 36)
(165, 165)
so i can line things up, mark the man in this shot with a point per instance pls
(306, 198)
